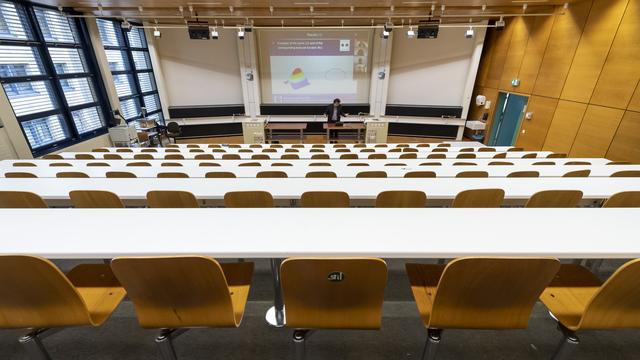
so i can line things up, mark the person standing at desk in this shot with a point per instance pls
(333, 113)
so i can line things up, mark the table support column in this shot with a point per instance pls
(275, 315)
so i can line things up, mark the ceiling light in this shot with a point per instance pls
(214, 34)
(385, 34)
(411, 34)
(469, 33)
(156, 33)
(241, 33)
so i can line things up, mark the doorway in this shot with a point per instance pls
(510, 111)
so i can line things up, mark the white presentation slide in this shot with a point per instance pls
(312, 75)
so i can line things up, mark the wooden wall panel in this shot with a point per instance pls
(564, 126)
(634, 105)
(626, 143)
(593, 49)
(535, 130)
(598, 127)
(499, 56)
(562, 45)
(486, 59)
(621, 72)
(538, 39)
(515, 54)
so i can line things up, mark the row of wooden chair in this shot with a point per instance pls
(302, 146)
(312, 174)
(174, 294)
(478, 198)
(149, 151)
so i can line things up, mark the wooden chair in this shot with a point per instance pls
(71, 174)
(432, 163)
(38, 296)
(281, 164)
(472, 174)
(402, 145)
(120, 174)
(321, 174)
(486, 149)
(53, 157)
(317, 146)
(395, 164)
(538, 163)
(139, 163)
(60, 164)
(20, 175)
(365, 150)
(423, 145)
(463, 163)
(320, 164)
(255, 146)
(219, 175)
(339, 146)
(149, 150)
(91, 199)
(528, 156)
(578, 173)
(172, 146)
(375, 146)
(479, 198)
(248, 199)
(466, 156)
(555, 199)
(297, 146)
(501, 163)
(371, 174)
(269, 150)
(191, 151)
(123, 150)
(395, 150)
(174, 294)
(234, 146)
(174, 157)
(556, 156)
(440, 150)
(618, 163)
(524, 174)
(231, 157)
(409, 150)
(21, 200)
(209, 164)
(290, 157)
(340, 150)
(172, 175)
(101, 150)
(214, 146)
(250, 164)
(170, 164)
(271, 174)
(580, 301)
(143, 157)
(112, 157)
(409, 156)
(500, 156)
(98, 164)
(204, 157)
(348, 156)
(324, 199)
(420, 174)
(332, 293)
(171, 199)
(320, 156)
(444, 145)
(625, 199)
(377, 156)
(577, 163)
(276, 146)
(401, 199)
(357, 164)
(516, 149)
(477, 293)
(291, 150)
(436, 156)
(84, 157)
(217, 151)
(316, 150)
(260, 157)
(23, 164)
(626, 173)
(193, 146)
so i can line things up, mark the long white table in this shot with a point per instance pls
(404, 233)
(453, 144)
(282, 151)
(292, 188)
(308, 155)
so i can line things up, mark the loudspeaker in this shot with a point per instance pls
(198, 31)
(428, 30)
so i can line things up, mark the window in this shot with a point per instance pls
(128, 57)
(54, 93)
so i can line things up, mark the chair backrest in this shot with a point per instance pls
(23, 164)
(124, 150)
(444, 145)
(320, 164)
(500, 156)
(149, 150)
(98, 164)
(320, 156)
(271, 174)
(204, 157)
(366, 150)
(623, 199)
(348, 156)
(174, 157)
(112, 157)
(402, 145)
(395, 150)
(172, 150)
(436, 156)
(250, 164)
(577, 163)
(71, 174)
(409, 150)
(20, 174)
(490, 293)
(196, 150)
(377, 156)
(472, 174)
(276, 146)
(420, 174)
(84, 157)
(321, 174)
(333, 293)
(281, 164)
(342, 150)
(255, 146)
(52, 156)
(95, 199)
(234, 146)
(525, 174)
(401, 199)
(371, 174)
(626, 173)
(260, 157)
(357, 164)
(555, 199)
(60, 164)
(516, 149)
(231, 157)
(173, 127)
(36, 294)
(529, 155)
(169, 163)
(432, 163)
(578, 173)
(214, 146)
(248, 199)
(219, 175)
(466, 156)
(269, 150)
(501, 163)
(121, 174)
(206, 163)
(171, 199)
(486, 149)
(193, 146)
(463, 163)
(479, 198)
(174, 292)
(100, 150)
(544, 163)
(618, 163)
(617, 303)
(556, 156)
(139, 163)
(290, 157)
(440, 149)
(409, 156)
(324, 199)
(143, 157)
(172, 174)
(21, 200)
(291, 150)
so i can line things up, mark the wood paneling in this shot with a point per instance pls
(515, 54)
(593, 49)
(598, 127)
(562, 45)
(564, 127)
(499, 56)
(622, 70)
(486, 59)
(535, 130)
(492, 95)
(539, 37)
(635, 101)
(626, 143)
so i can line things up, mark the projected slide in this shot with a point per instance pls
(314, 67)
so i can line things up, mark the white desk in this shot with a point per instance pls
(454, 145)
(328, 150)
(292, 188)
(404, 233)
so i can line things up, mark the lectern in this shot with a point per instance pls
(253, 131)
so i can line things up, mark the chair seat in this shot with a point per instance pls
(238, 277)
(569, 294)
(99, 289)
(424, 280)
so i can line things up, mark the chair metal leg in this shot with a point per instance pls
(299, 344)
(32, 343)
(567, 345)
(431, 345)
(278, 303)
(164, 340)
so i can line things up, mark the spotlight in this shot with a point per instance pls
(470, 33)
(241, 34)
(385, 34)
(500, 24)
(388, 27)
(126, 25)
(156, 33)
(411, 34)
(214, 34)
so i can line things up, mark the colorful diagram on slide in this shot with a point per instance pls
(297, 79)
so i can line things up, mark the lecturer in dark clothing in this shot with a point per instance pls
(333, 113)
